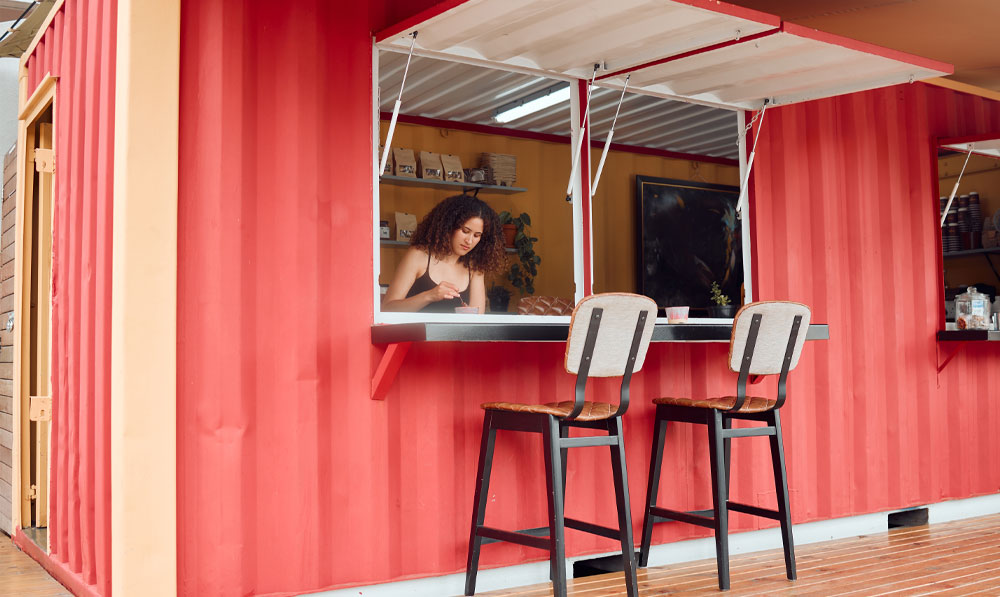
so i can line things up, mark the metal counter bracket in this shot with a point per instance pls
(388, 367)
(951, 353)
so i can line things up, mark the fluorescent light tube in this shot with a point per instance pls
(523, 108)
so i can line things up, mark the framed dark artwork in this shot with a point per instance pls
(689, 237)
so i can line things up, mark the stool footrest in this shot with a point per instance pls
(588, 441)
(593, 529)
(702, 521)
(753, 510)
(529, 537)
(747, 432)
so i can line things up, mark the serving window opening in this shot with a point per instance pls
(508, 138)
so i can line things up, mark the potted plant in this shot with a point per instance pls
(499, 297)
(522, 274)
(722, 307)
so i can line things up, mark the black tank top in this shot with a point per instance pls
(425, 283)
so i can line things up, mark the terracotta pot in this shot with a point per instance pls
(509, 232)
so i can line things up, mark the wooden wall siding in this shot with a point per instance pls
(290, 479)
(79, 49)
(7, 235)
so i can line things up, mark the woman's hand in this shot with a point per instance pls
(442, 292)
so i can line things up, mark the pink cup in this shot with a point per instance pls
(677, 314)
(467, 310)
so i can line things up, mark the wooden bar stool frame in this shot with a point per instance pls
(720, 434)
(555, 437)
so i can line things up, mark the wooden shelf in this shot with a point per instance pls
(403, 243)
(404, 181)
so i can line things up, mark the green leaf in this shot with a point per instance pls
(526, 219)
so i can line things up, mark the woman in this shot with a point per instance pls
(451, 251)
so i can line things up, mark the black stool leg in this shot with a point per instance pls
(652, 486)
(479, 502)
(727, 423)
(620, 472)
(564, 458)
(554, 485)
(781, 487)
(719, 492)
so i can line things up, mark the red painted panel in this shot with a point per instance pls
(291, 479)
(79, 49)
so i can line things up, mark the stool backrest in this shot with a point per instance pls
(615, 334)
(770, 346)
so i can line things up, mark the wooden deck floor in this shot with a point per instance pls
(22, 576)
(955, 558)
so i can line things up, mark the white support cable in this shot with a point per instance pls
(607, 144)
(744, 185)
(954, 189)
(579, 141)
(395, 110)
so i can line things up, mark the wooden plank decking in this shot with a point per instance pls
(22, 576)
(955, 558)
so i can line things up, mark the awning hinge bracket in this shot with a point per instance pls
(607, 144)
(395, 110)
(745, 183)
(954, 189)
(584, 124)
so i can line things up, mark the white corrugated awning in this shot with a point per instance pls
(988, 145)
(701, 51)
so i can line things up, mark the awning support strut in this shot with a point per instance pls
(395, 110)
(579, 141)
(607, 144)
(954, 189)
(745, 183)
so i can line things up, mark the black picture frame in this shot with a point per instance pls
(689, 236)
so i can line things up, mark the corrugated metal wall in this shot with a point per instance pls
(291, 479)
(847, 220)
(79, 49)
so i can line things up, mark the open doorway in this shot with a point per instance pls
(33, 316)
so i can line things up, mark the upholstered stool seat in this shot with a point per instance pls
(767, 339)
(608, 337)
(752, 404)
(592, 411)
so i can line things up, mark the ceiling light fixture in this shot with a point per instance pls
(532, 103)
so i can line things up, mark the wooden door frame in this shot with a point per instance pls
(41, 100)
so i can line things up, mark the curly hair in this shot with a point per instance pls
(434, 232)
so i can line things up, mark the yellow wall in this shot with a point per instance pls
(543, 169)
(983, 176)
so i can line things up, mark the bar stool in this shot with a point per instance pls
(608, 337)
(767, 339)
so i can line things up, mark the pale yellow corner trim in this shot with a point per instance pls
(965, 88)
(41, 32)
(39, 100)
(31, 107)
(144, 300)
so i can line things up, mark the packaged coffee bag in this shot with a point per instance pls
(404, 164)
(430, 166)
(405, 225)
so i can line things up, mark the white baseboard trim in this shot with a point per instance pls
(677, 552)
